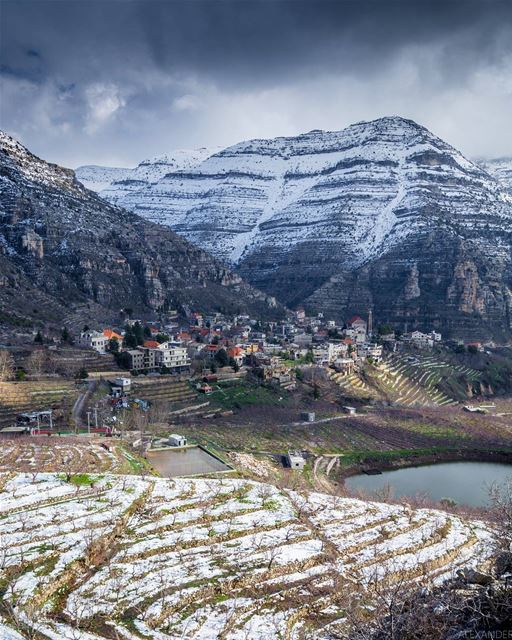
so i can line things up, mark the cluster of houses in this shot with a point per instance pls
(152, 355)
(272, 351)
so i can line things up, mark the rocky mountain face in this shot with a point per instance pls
(383, 214)
(63, 249)
(499, 168)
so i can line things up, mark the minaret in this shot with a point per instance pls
(370, 323)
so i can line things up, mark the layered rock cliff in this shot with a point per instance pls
(383, 214)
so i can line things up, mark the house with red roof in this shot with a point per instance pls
(356, 322)
(238, 355)
(110, 333)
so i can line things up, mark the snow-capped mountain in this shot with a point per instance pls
(117, 184)
(500, 168)
(350, 188)
(306, 217)
(97, 178)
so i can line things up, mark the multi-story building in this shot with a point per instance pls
(173, 356)
(93, 340)
(135, 359)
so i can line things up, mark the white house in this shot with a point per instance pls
(172, 355)
(422, 340)
(93, 340)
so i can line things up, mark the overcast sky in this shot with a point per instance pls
(115, 81)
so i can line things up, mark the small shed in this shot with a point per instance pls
(120, 387)
(308, 416)
(295, 460)
(350, 410)
(176, 440)
(124, 383)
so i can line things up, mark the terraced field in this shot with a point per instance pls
(19, 397)
(409, 380)
(65, 454)
(162, 390)
(132, 558)
(412, 383)
(353, 384)
(72, 359)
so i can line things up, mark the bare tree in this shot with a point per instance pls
(6, 365)
(501, 506)
(37, 361)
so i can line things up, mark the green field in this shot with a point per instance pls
(231, 395)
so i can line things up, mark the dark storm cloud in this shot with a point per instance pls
(100, 71)
(245, 41)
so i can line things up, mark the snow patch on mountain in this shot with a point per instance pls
(97, 178)
(121, 188)
(499, 168)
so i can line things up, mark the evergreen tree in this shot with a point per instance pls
(65, 335)
(138, 332)
(130, 341)
(385, 329)
(123, 359)
(39, 338)
(113, 345)
(222, 357)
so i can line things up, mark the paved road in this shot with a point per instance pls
(78, 407)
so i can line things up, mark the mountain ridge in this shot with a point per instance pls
(318, 219)
(116, 183)
(62, 248)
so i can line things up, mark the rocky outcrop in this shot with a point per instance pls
(61, 245)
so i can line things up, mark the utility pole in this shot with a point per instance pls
(89, 422)
(142, 431)
(96, 416)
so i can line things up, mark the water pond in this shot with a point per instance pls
(172, 463)
(464, 482)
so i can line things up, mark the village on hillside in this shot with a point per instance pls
(186, 469)
(142, 380)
